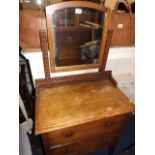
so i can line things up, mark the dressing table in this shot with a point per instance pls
(81, 111)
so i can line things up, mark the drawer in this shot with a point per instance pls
(74, 133)
(85, 146)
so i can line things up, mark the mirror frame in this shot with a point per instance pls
(73, 4)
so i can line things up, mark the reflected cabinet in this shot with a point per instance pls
(77, 36)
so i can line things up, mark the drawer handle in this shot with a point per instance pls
(109, 124)
(68, 134)
(69, 150)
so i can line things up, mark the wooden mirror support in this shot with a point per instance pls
(44, 48)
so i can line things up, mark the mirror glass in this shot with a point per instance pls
(77, 34)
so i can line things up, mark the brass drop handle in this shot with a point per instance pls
(109, 124)
(68, 134)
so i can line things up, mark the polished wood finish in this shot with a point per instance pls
(75, 133)
(30, 22)
(45, 144)
(79, 103)
(86, 145)
(44, 48)
(71, 79)
(87, 113)
(75, 4)
(105, 56)
(50, 10)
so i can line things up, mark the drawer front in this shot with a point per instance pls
(85, 146)
(85, 130)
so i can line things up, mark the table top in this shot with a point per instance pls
(72, 104)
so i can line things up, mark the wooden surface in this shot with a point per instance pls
(88, 144)
(71, 79)
(30, 22)
(68, 105)
(82, 131)
(44, 48)
(74, 4)
(106, 52)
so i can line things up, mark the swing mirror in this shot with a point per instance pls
(77, 34)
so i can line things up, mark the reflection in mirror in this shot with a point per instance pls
(77, 36)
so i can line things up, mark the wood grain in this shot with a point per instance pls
(73, 104)
(106, 52)
(73, 4)
(30, 22)
(86, 145)
(82, 131)
(44, 48)
(106, 75)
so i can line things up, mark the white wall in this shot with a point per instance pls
(120, 61)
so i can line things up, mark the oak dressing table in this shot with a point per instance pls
(82, 112)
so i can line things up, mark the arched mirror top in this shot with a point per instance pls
(77, 33)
